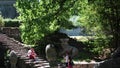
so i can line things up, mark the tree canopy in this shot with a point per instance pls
(41, 17)
(102, 17)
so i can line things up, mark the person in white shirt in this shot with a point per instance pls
(66, 57)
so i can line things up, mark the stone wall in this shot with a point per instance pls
(11, 31)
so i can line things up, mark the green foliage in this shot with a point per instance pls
(1, 21)
(83, 56)
(109, 17)
(89, 18)
(96, 46)
(11, 23)
(101, 17)
(43, 17)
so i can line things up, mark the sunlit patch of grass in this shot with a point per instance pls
(82, 38)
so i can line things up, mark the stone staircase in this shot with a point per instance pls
(29, 63)
(21, 51)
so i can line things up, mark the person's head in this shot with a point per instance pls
(32, 49)
(68, 52)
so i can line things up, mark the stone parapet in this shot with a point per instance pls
(11, 31)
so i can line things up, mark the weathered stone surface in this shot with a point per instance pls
(50, 52)
(13, 59)
(22, 61)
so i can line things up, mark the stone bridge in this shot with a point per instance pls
(7, 43)
(24, 62)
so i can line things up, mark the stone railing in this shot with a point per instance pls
(84, 64)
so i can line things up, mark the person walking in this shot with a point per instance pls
(66, 57)
(70, 63)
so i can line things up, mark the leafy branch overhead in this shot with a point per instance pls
(41, 17)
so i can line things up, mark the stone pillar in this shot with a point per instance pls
(13, 59)
(51, 54)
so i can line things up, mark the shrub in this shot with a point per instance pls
(12, 22)
(97, 45)
(1, 21)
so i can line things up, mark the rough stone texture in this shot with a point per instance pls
(13, 59)
(11, 31)
(51, 53)
(21, 53)
(11, 43)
